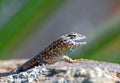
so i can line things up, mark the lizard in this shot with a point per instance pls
(57, 51)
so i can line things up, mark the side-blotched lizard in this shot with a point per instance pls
(57, 51)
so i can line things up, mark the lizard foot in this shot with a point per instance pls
(67, 59)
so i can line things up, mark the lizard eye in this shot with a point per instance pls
(71, 36)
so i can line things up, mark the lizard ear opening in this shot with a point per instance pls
(64, 40)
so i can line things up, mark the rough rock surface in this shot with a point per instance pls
(81, 71)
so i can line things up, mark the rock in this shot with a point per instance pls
(81, 71)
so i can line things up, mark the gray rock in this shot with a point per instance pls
(82, 71)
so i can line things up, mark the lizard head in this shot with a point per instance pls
(71, 41)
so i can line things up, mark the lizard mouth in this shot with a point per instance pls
(81, 40)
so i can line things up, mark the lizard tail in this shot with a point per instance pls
(18, 70)
(6, 73)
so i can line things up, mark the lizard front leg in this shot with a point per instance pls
(67, 59)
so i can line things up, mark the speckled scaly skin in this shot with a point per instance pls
(57, 51)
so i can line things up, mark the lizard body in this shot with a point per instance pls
(57, 51)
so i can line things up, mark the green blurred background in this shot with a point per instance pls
(28, 26)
